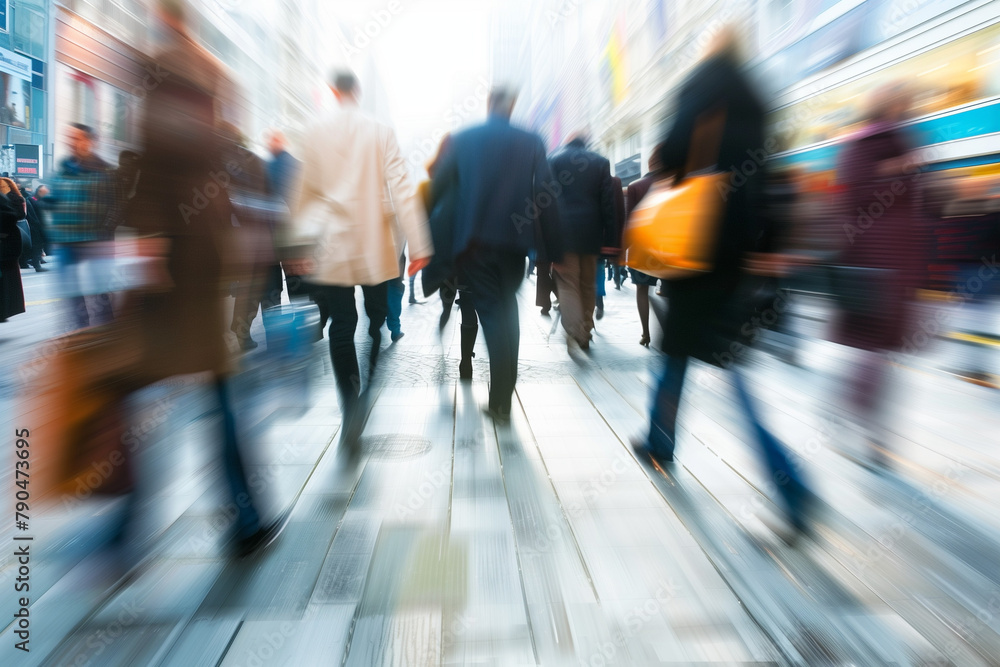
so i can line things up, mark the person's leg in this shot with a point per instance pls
(448, 293)
(588, 291)
(99, 270)
(69, 268)
(339, 304)
(481, 271)
(510, 280)
(642, 302)
(469, 332)
(413, 289)
(783, 473)
(245, 310)
(395, 290)
(543, 287)
(567, 277)
(377, 308)
(666, 401)
(247, 519)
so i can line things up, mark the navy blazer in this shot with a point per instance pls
(499, 179)
(586, 198)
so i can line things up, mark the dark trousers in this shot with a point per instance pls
(340, 306)
(663, 431)
(545, 286)
(492, 277)
(470, 322)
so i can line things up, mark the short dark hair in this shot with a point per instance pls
(86, 129)
(502, 99)
(345, 82)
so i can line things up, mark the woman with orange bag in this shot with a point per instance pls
(707, 319)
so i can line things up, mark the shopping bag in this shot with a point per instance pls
(673, 233)
(74, 408)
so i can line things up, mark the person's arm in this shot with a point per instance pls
(409, 211)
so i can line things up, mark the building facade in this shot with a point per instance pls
(24, 87)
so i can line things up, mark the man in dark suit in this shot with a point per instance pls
(504, 207)
(587, 217)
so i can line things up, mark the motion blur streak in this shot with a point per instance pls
(215, 455)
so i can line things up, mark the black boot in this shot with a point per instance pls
(469, 334)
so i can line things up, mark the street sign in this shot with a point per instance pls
(28, 160)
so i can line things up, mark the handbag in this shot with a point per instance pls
(74, 408)
(672, 233)
(22, 226)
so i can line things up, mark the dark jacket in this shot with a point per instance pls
(499, 177)
(11, 292)
(636, 191)
(706, 318)
(440, 220)
(586, 197)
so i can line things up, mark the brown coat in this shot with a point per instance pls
(181, 197)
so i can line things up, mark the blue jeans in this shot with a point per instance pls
(396, 289)
(72, 258)
(663, 432)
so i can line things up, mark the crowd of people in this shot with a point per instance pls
(213, 219)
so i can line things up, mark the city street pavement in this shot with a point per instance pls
(456, 541)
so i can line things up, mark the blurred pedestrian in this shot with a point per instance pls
(882, 259)
(184, 217)
(248, 192)
(11, 211)
(282, 172)
(497, 173)
(346, 239)
(586, 201)
(642, 281)
(83, 197)
(705, 317)
(395, 312)
(442, 274)
(33, 256)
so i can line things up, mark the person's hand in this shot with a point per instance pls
(417, 265)
(299, 267)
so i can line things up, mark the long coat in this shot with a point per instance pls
(11, 291)
(180, 197)
(890, 238)
(706, 318)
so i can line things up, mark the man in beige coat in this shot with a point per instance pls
(352, 191)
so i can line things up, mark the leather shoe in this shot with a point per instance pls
(262, 538)
(642, 449)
